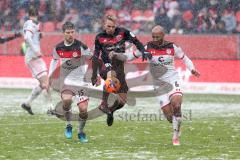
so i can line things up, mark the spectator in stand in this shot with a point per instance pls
(59, 11)
(72, 16)
(203, 22)
(229, 20)
(177, 28)
(162, 19)
(221, 28)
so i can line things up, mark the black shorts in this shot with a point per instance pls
(124, 86)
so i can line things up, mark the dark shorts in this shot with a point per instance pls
(124, 86)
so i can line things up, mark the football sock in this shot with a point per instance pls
(34, 94)
(176, 123)
(116, 106)
(67, 115)
(81, 125)
(105, 96)
(48, 98)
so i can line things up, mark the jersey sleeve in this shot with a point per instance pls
(85, 50)
(95, 58)
(178, 52)
(55, 54)
(98, 48)
(28, 36)
(133, 39)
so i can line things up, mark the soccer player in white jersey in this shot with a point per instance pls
(72, 55)
(33, 58)
(163, 54)
(164, 73)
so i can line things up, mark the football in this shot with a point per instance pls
(112, 85)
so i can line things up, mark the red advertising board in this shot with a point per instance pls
(196, 46)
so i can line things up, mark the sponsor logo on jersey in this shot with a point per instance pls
(75, 54)
(168, 51)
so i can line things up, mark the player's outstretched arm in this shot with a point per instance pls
(189, 64)
(52, 67)
(16, 35)
(195, 73)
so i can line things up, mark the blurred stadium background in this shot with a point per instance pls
(207, 30)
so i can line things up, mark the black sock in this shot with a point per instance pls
(116, 106)
(105, 96)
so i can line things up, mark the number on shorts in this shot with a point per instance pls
(176, 84)
(81, 92)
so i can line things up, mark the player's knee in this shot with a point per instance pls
(44, 85)
(168, 115)
(122, 101)
(120, 105)
(67, 104)
(177, 111)
(83, 115)
(169, 118)
(176, 105)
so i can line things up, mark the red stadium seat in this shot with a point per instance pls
(187, 15)
(124, 16)
(49, 26)
(137, 15)
(238, 16)
(111, 12)
(148, 15)
(135, 27)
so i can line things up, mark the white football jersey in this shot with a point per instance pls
(32, 37)
(72, 59)
(163, 59)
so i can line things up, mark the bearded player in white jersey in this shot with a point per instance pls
(164, 73)
(72, 55)
(33, 58)
(163, 55)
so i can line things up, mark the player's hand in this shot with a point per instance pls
(96, 81)
(40, 35)
(17, 34)
(195, 73)
(146, 56)
(111, 54)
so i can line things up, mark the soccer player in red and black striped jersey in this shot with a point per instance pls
(72, 55)
(112, 39)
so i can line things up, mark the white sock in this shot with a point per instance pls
(81, 125)
(48, 98)
(176, 123)
(35, 92)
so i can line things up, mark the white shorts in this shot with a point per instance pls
(37, 67)
(80, 94)
(165, 99)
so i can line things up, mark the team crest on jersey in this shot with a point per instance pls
(168, 51)
(75, 54)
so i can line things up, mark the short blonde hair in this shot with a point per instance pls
(112, 18)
